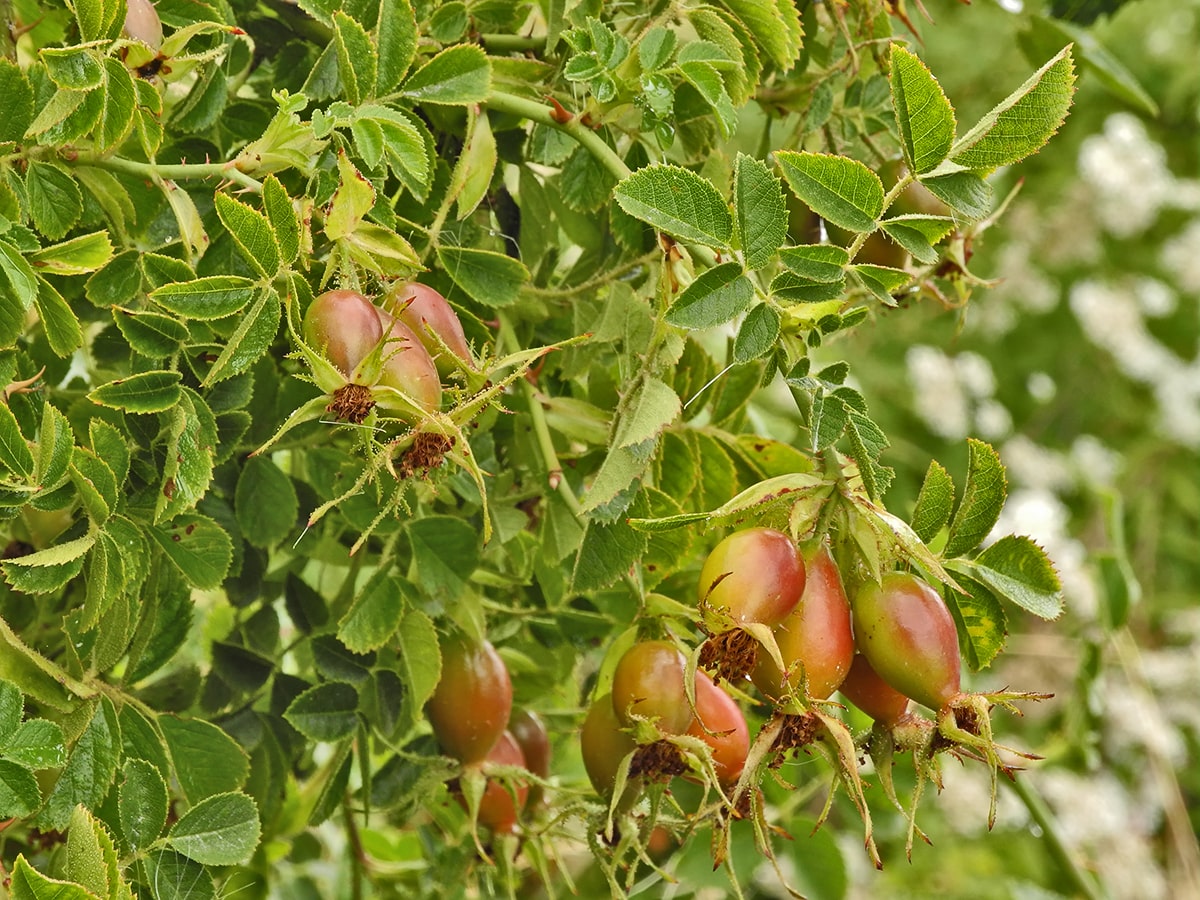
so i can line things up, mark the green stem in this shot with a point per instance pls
(545, 115)
(1083, 882)
(897, 189)
(512, 43)
(178, 172)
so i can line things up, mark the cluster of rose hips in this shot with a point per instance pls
(393, 355)
(472, 716)
(779, 616)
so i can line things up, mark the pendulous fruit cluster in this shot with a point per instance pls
(780, 616)
(393, 355)
(472, 716)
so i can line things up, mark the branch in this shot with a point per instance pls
(180, 172)
(546, 115)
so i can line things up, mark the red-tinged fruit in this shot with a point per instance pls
(408, 367)
(719, 722)
(498, 809)
(143, 24)
(345, 326)
(428, 313)
(752, 576)
(903, 628)
(603, 745)
(865, 689)
(648, 684)
(816, 640)
(529, 730)
(469, 709)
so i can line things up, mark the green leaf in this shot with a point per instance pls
(18, 289)
(29, 884)
(16, 102)
(1019, 570)
(964, 192)
(12, 710)
(281, 214)
(493, 279)
(47, 570)
(251, 232)
(760, 215)
(775, 26)
(265, 502)
(251, 340)
(651, 407)
(73, 68)
(758, 334)
(20, 795)
(150, 334)
(75, 257)
(839, 189)
(89, 770)
(917, 234)
(145, 392)
(1049, 33)
(982, 499)
(457, 76)
(221, 830)
(656, 48)
(55, 202)
(175, 877)
(934, 502)
(351, 201)
(119, 282)
(198, 547)
(716, 296)
(327, 712)
(473, 172)
(867, 442)
(120, 99)
(816, 262)
(420, 661)
(396, 38)
(981, 623)
(36, 744)
(607, 553)
(207, 761)
(792, 288)
(142, 803)
(212, 297)
(445, 552)
(1022, 123)
(15, 454)
(63, 333)
(882, 281)
(679, 202)
(357, 62)
(375, 615)
(56, 444)
(91, 858)
(708, 83)
(924, 116)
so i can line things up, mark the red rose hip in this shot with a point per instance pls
(470, 707)
(752, 576)
(815, 640)
(648, 683)
(719, 722)
(345, 326)
(905, 631)
(427, 313)
(865, 689)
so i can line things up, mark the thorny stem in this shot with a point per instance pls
(1083, 881)
(179, 172)
(545, 115)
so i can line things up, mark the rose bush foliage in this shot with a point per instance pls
(231, 588)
